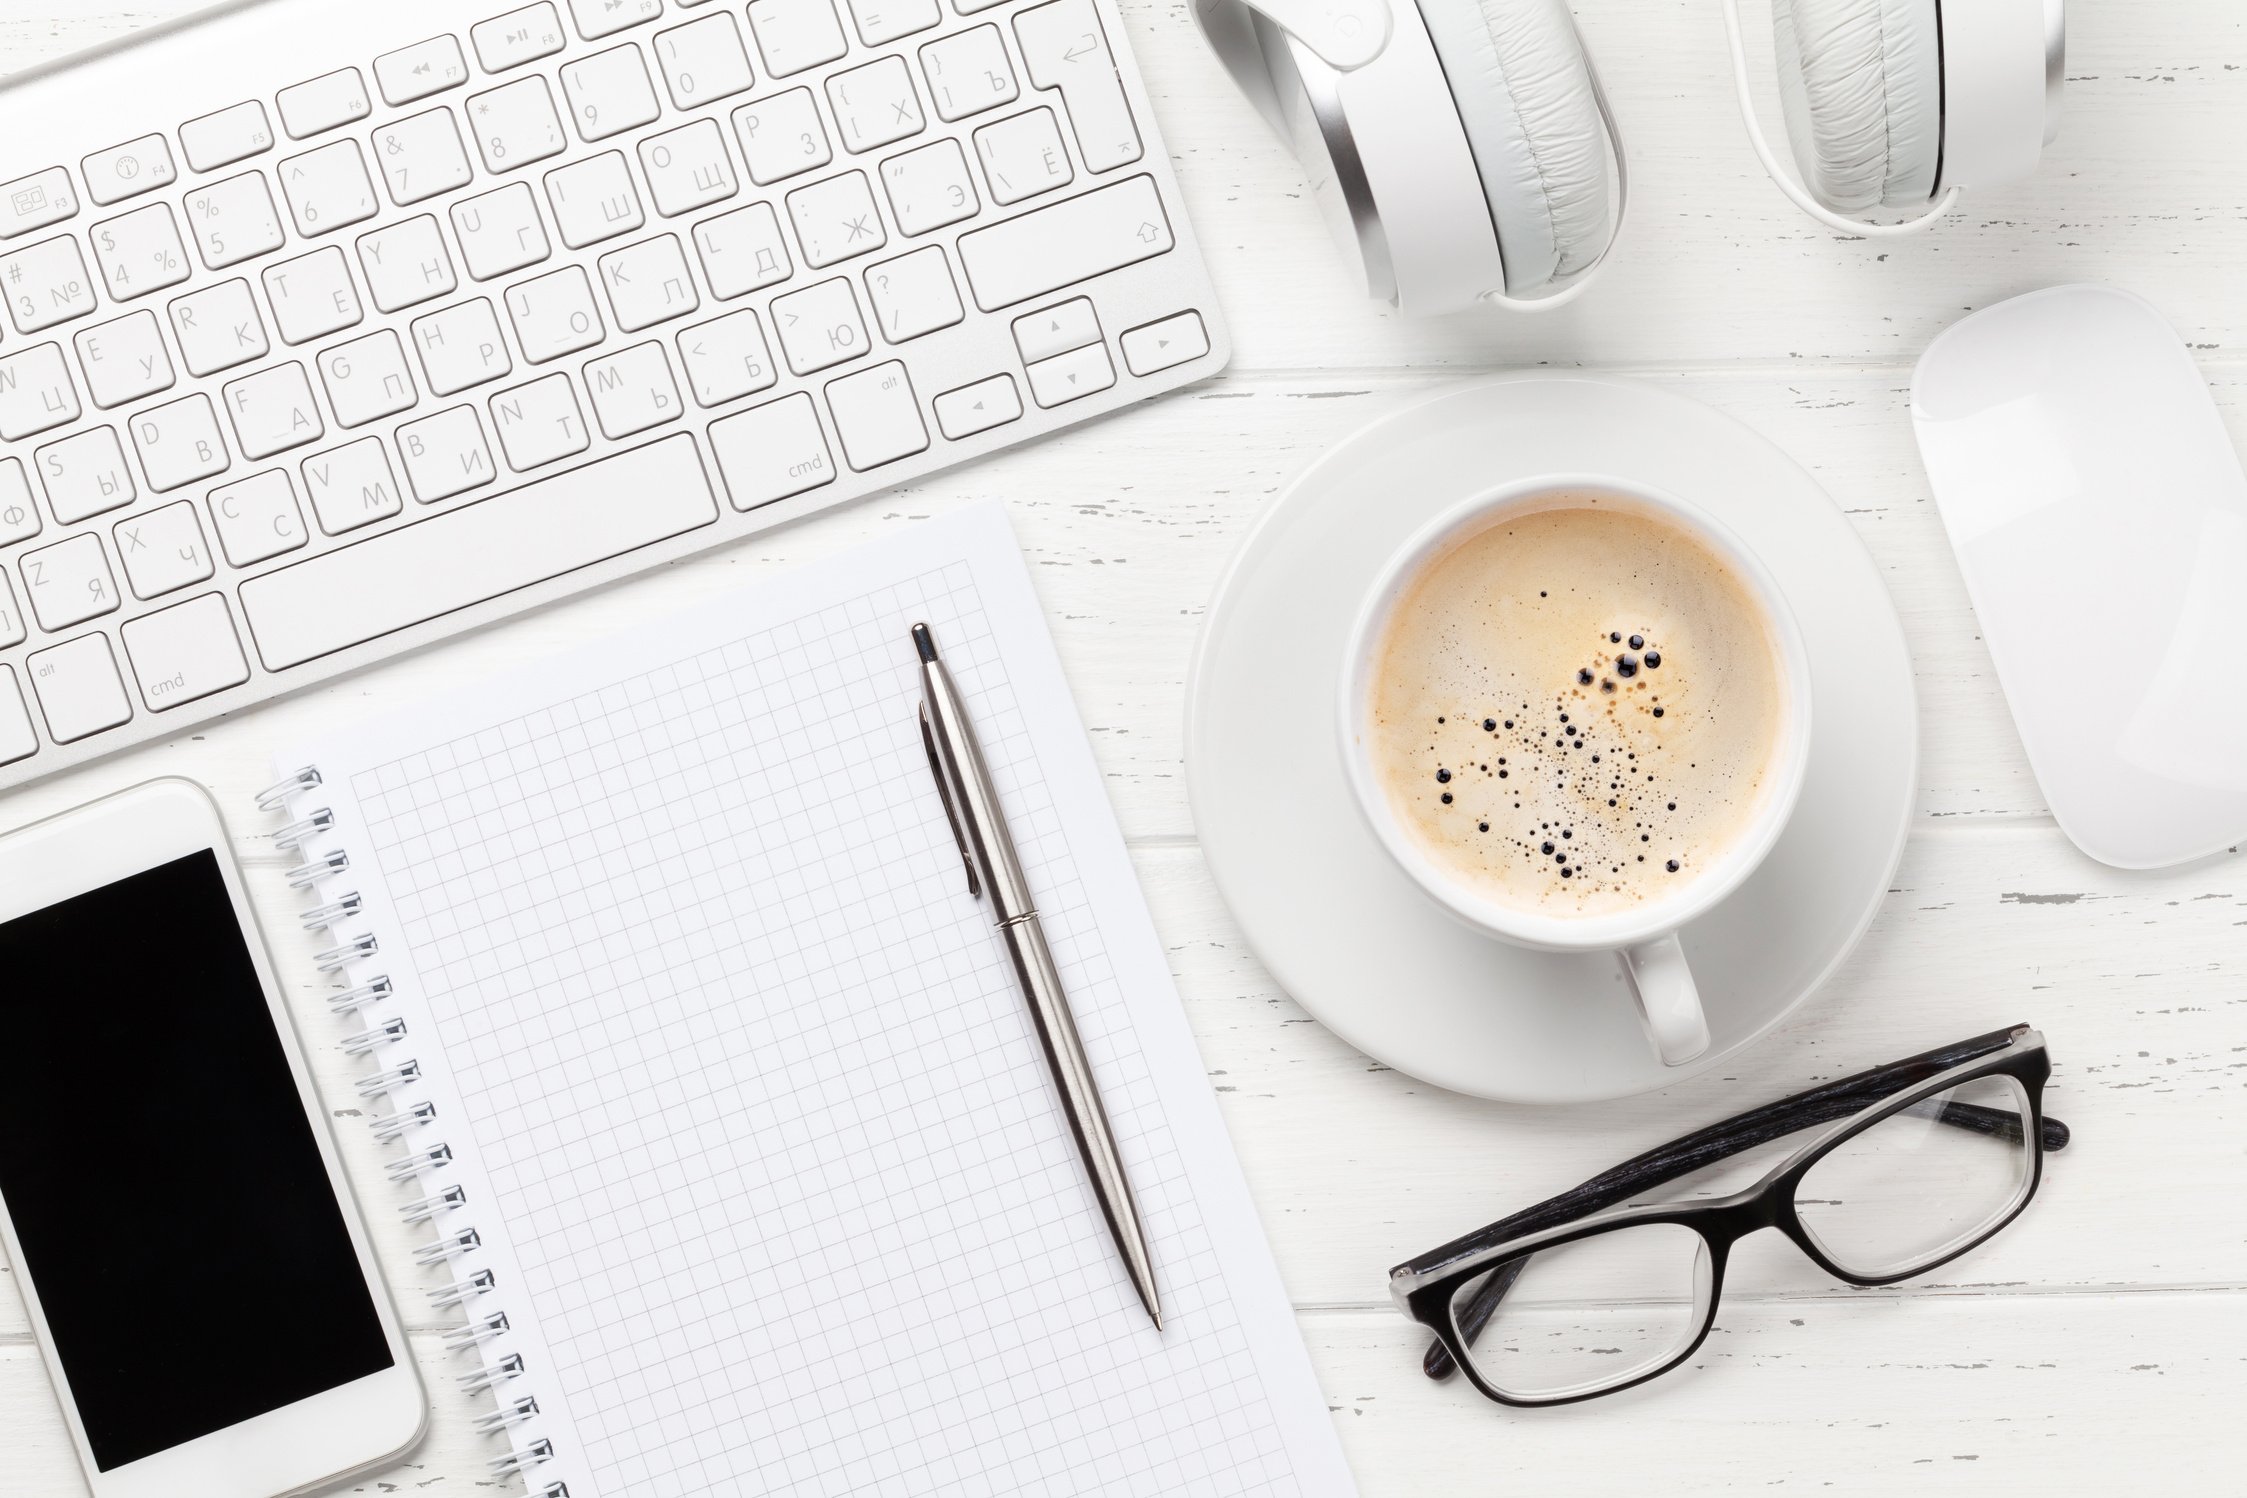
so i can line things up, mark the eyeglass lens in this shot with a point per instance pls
(1590, 1314)
(1914, 1187)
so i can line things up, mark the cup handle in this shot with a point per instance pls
(1668, 999)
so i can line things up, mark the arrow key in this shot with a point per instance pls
(1056, 330)
(978, 407)
(1072, 376)
(1162, 345)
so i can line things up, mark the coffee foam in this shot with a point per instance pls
(1577, 708)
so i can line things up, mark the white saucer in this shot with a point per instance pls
(1364, 949)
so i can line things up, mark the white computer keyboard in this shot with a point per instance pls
(335, 328)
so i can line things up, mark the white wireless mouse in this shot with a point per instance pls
(2100, 518)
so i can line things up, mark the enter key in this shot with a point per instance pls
(1066, 48)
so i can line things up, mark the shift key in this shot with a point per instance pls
(1071, 241)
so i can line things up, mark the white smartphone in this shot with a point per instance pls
(197, 1273)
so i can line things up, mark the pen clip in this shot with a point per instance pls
(951, 811)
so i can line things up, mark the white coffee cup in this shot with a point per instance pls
(1644, 938)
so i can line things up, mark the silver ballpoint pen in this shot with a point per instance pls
(993, 869)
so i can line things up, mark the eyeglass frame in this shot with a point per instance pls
(1425, 1288)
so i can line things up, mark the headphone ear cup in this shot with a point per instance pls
(1517, 75)
(1861, 82)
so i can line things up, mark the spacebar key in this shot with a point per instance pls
(467, 556)
(1073, 240)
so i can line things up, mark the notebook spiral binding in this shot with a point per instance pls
(350, 958)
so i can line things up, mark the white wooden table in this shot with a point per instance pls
(2101, 1344)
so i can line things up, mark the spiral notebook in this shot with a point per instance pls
(719, 1102)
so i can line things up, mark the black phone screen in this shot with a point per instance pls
(166, 1187)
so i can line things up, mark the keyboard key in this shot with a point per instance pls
(125, 360)
(446, 454)
(882, 21)
(140, 253)
(323, 103)
(422, 157)
(257, 518)
(1163, 345)
(703, 61)
(836, 219)
(461, 347)
(594, 200)
(69, 582)
(1071, 376)
(85, 475)
(367, 379)
(129, 170)
(875, 105)
(742, 251)
(781, 136)
(226, 137)
(312, 295)
(772, 451)
(1070, 241)
(406, 264)
(416, 72)
(971, 7)
(796, 34)
(329, 189)
(185, 652)
(633, 391)
(518, 37)
(35, 392)
(554, 315)
(501, 232)
(930, 187)
(727, 359)
(516, 125)
(968, 72)
(80, 692)
(913, 294)
(877, 416)
(609, 93)
(18, 740)
(19, 512)
(218, 328)
(599, 18)
(483, 551)
(688, 168)
(179, 444)
(46, 284)
(1056, 330)
(163, 551)
(36, 201)
(1023, 156)
(540, 423)
(978, 407)
(819, 326)
(234, 221)
(649, 283)
(13, 628)
(1065, 47)
(273, 411)
(350, 486)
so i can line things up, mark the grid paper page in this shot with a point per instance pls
(756, 1131)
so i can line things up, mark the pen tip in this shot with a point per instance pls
(924, 642)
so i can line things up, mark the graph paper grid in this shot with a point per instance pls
(755, 1109)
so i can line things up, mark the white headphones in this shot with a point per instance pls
(1902, 103)
(1460, 148)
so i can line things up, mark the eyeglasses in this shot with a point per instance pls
(1585, 1295)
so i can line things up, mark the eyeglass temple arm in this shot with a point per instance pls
(1719, 1141)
